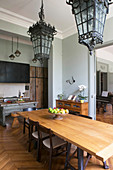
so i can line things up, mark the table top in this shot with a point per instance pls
(92, 136)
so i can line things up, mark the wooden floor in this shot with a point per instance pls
(14, 154)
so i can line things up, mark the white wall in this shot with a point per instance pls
(55, 72)
(9, 90)
(75, 63)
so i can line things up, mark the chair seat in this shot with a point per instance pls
(56, 141)
(35, 134)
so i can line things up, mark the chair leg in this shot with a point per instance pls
(38, 151)
(29, 131)
(50, 159)
(24, 127)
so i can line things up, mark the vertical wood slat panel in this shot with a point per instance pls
(39, 72)
(32, 89)
(32, 71)
(39, 92)
(39, 86)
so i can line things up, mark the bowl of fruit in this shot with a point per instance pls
(58, 113)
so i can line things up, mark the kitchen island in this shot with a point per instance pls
(8, 108)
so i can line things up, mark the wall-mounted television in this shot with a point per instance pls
(11, 72)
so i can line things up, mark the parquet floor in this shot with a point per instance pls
(14, 154)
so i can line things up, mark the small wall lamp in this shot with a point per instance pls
(71, 81)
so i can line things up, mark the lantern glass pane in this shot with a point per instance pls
(85, 27)
(39, 49)
(48, 50)
(83, 6)
(97, 12)
(90, 25)
(42, 49)
(46, 41)
(38, 40)
(45, 50)
(97, 25)
(43, 42)
(78, 18)
(90, 2)
(90, 13)
(84, 16)
(80, 29)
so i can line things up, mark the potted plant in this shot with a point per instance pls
(60, 96)
(81, 95)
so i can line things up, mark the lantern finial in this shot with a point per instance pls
(41, 13)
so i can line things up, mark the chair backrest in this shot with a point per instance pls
(47, 131)
(29, 109)
(32, 125)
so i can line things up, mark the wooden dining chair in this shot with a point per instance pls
(54, 145)
(34, 136)
(26, 121)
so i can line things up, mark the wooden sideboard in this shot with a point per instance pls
(81, 108)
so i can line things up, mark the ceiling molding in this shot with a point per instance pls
(14, 18)
(9, 38)
(68, 32)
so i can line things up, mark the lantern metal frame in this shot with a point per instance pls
(82, 11)
(42, 35)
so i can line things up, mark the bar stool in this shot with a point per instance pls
(15, 123)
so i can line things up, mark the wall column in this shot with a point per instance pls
(92, 85)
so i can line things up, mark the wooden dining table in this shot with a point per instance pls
(88, 135)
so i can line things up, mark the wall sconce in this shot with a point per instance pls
(71, 81)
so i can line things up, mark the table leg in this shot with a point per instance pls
(105, 165)
(67, 155)
(80, 159)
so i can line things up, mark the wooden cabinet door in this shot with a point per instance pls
(32, 71)
(39, 72)
(39, 92)
(32, 89)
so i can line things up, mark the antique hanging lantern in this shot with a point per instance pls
(90, 16)
(17, 52)
(42, 35)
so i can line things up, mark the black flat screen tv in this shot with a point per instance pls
(11, 72)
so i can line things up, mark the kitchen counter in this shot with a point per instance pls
(8, 108)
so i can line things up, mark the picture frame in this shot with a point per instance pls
(70, 97)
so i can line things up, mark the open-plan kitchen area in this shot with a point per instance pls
(56, 85)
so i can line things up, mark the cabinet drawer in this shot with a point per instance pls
(77, 106)
(67, 105)
(60, 104)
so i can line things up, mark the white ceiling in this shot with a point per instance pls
(57, 12)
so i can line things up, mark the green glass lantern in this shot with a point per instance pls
(42, 35)
(90, 17)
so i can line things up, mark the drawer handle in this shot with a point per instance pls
(60, 103)
(67, 105)
(76, 106)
